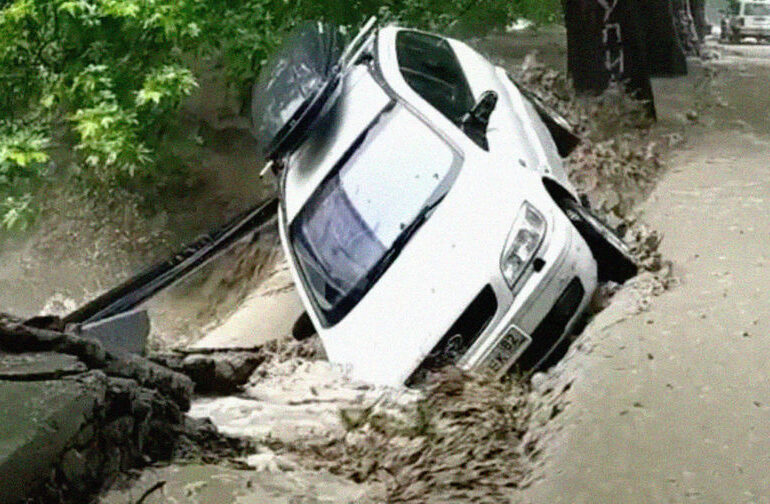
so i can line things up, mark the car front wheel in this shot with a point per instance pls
(612, 255)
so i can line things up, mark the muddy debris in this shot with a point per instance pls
(461, 443)
(619, 160)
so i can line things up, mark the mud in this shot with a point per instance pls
(215, 484)
(210, 302)
(462, 442)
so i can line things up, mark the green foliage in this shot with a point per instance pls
(22, 161)
(112, 74)
(16, 212)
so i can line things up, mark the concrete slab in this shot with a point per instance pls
(38, 366)
(39, 420)
(126, 332)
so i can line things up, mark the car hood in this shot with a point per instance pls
(362, 100)
(446, 264)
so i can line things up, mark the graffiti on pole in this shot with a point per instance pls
(612, 39)
(606, 45)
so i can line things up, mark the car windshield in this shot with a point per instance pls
(360, 218)
(756, 9)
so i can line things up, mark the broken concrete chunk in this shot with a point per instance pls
(217, 372)
(39, 420)
(39, 366)
(126, 332)
(153, 376)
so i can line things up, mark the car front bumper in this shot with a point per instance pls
(552, 299)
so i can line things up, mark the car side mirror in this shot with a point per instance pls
(476, 121)
(482, 111)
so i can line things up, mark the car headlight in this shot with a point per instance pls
(522, 244)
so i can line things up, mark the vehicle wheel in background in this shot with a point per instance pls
(303, 328)
(612, 255)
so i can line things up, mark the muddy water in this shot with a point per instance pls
(294, 401)
(673, 404)
(210, 484)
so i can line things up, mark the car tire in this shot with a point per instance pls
(303, 328)
(613, 257)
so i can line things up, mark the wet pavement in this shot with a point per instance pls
(673, 404)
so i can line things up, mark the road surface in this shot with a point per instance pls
(673, 404)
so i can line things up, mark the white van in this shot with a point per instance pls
(751, 20)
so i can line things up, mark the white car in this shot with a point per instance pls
(425, 210)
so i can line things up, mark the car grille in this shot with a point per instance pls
(460, 337)
(550, 330)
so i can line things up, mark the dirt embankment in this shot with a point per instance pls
(87, 239)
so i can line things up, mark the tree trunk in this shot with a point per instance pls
(665, 54)
(688, 35)
(698, 9)
(606, 44)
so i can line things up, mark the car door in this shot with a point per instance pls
(511, 135)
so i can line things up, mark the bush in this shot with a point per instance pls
(22, 162)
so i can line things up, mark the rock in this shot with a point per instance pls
(74, 469)
(153, 376)
(16, 337)
(84, 437)
(222, 372)
(39, 421)
(118, 430)
(75, 416)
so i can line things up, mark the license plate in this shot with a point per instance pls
(510, 347)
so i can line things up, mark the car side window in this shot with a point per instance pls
(430, 67)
